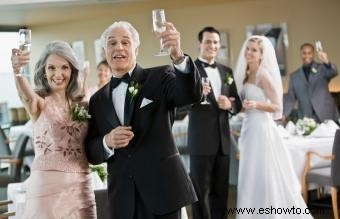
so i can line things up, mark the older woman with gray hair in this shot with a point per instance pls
(60, 184)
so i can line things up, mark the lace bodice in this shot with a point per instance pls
(59, 141)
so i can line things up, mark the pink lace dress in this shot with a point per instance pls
(59, 185)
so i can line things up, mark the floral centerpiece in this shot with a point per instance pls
(305, 126)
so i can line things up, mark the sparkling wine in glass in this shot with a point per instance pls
(25, 40)
(205, 81)
(158, 19)
(318, 46)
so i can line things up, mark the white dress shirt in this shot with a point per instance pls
(118, 99)
(214, 78)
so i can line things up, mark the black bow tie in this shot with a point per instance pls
(205, 65)
(116, 81)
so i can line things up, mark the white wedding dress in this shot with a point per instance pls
(266, 176)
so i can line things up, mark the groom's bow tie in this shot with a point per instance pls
(116, 81)
(205, 65)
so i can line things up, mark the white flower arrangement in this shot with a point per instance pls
(79, 113)
(305, 126)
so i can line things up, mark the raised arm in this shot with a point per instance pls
(32, 101)
(85, 72)
(329, 69)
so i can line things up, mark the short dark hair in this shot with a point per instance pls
(306, 45)
(207, 29)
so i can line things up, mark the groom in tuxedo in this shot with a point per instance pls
(130, 127)
(208, 131)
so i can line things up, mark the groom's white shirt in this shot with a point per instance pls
(118, 97)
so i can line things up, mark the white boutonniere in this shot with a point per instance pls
(314, 70)
(134, 89)
(228, 79)
(79, 113)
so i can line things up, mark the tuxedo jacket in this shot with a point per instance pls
(151, 162)
(312, 94)
(208, 131)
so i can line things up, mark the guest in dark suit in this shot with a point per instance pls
(208, 131)
(308, 86)
(130, 127)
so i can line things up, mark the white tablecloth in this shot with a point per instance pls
(299, 146)
(16, 193)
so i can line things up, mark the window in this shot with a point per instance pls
(8, 93)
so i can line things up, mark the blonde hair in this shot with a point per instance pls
(260, 44)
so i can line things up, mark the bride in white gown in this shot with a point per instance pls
(267, 183)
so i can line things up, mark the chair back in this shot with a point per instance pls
(18, 154)
(4, 145)
(335, 166)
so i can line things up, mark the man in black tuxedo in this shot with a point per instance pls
(208, 131)
(130, 127)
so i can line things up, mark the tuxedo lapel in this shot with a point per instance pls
(224, 86)
(108, 107)
(138, 76)
(302, 76)
(313, 77)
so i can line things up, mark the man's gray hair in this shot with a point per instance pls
(120, 24)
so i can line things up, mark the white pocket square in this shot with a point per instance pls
(145, 102)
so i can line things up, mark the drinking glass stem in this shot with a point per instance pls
(161, 45)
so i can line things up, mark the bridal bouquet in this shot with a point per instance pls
(305, 126)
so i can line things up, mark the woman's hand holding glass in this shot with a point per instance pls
(20, 57)
(19, 60)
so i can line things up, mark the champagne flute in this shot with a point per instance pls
(318, 46)
(205, 81)
(25, 43)
(25, 40)
(158, 19)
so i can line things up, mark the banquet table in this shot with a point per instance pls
(297, 146)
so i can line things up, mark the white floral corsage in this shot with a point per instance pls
(79, 113)
(228, 79)
(134, 89)
(314, 70)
